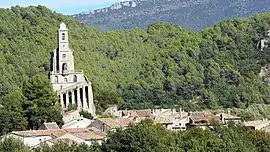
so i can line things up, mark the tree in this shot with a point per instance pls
(13, 145)
(11, 113)
(146, 136)
(42, 102)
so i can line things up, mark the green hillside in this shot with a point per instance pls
(164, 65)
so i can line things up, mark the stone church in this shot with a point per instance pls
(72, 87)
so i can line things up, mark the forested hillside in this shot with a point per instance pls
(164, 65)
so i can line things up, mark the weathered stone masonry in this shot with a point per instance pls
(72, 87)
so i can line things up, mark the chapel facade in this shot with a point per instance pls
(72, 87)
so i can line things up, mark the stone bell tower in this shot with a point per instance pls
(72, 87)
(66, 61)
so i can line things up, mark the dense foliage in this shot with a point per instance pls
(149, 137)
(164, 65)
(86, 114)
(29, 109)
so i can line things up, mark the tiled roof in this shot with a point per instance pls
(91, 135)
(203, 117)
(31, 133)
(75, 130)
(228, 116)
(93, 129)
(164, 120)
(131, 113)
(51, 125)
(144, 113)
(138, 113)
(117, 122)
(255, 123)
(55, 132)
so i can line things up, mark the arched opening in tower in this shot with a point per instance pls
(64, 67)
(75, 78)
(63, 36)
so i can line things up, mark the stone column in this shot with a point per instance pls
(62, 100)
(72, 97)
(79, 99)
(67, 99)
(91, 101)
(84, 98)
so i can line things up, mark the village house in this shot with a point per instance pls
(79, 122)
(175, 124)
(171, 119)
(34, 138)
(88, 137)
(137, 114)
(49, 126)
(257, 124)
(140, 114)
(202, 120)
(226, 118)
(71, 115)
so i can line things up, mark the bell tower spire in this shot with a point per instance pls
(63, 37)
(64, 53)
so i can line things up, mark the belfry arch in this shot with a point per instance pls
(63, 36)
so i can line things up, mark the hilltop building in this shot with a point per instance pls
(72, 87)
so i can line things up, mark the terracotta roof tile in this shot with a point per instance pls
(203, 117)
(254, 123)
(54, 132)
(117, 122)
(91, 135)
(57, 132)
(144, 113)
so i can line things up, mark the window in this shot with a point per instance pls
(64, 55)
(64, 66)
(66, 80)
(63, 36)
(75, 78)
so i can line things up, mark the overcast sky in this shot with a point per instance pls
(61, 6)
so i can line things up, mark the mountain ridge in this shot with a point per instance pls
(192, 14)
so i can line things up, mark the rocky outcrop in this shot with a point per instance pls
(192, 14)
